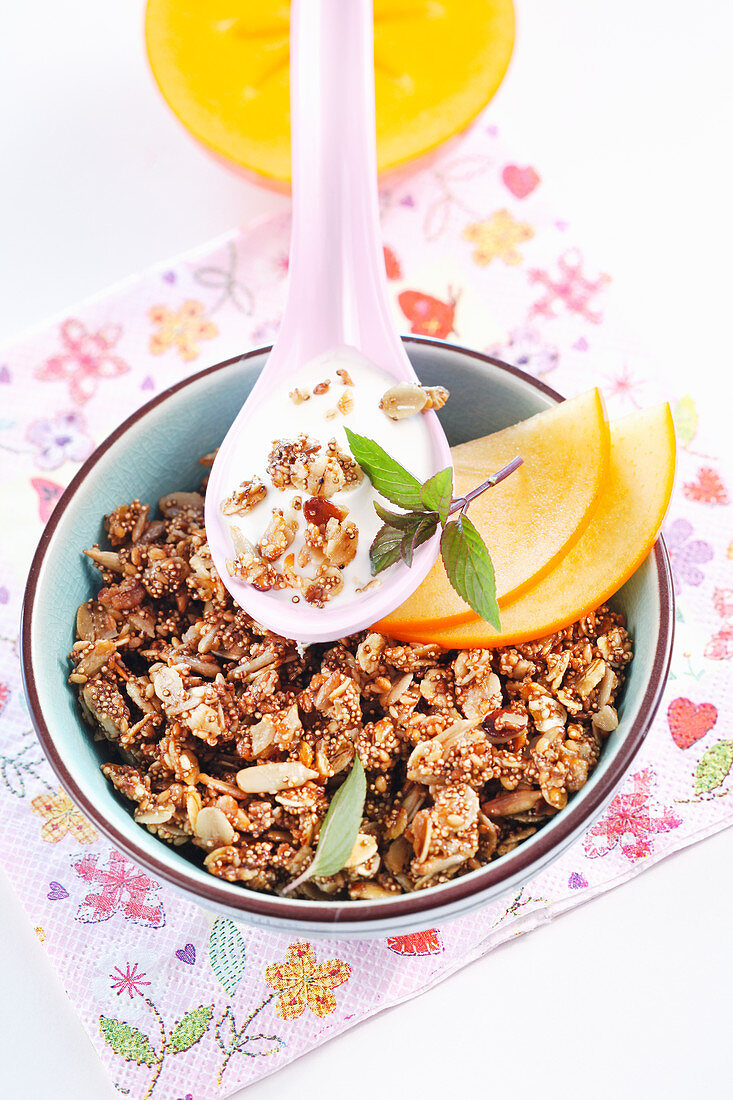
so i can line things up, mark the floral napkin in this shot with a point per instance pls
(475, 254)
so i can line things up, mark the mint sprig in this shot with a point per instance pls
(387, 476)
(429, 505)
(339, 829)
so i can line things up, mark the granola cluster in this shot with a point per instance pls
(232, 739)
(330, 539)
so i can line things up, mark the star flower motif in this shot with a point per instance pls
(181, 329)
(631, 822)
(624, 386)
(302, 983)
(497, 238)
(61, 817)
(128, 981)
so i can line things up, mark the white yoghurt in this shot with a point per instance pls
(278, 417)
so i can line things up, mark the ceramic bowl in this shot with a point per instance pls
(156, 451)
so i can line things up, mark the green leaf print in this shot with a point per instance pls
(714, 767)
(190, 1028)
(132, 1044)
(226, 954)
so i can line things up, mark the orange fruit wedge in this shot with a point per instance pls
(529, 520)
(622, 532)
(223, 67)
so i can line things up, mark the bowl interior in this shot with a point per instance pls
(158, 453)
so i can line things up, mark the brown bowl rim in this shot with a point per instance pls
(264, 906)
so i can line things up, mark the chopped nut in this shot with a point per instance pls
(408, 398)
(278, 536)
(436, 397)
(606, 719)
(365, 847)
(245, 498)
(346, 403)
(403, 400)
(271, 778)
(213, 828)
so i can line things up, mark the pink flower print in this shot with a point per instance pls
(686, 555)
(571, 289)
(128, 981)
(624, 386)
(64, 437)
(630, 822)
(525, 349)
(85, 359)
(123, 889)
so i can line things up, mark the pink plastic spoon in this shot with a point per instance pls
(337, 294)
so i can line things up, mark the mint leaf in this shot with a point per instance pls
(414, 537)
(437, 493)
(469, 568)
(400, 520)
(387, 476)
(339, 828)
(385, 549)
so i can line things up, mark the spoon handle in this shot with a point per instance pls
(337, 291)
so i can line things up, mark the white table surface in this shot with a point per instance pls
(624, 108)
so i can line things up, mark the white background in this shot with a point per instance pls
(625, 109)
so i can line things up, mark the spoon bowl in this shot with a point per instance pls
(337, 293)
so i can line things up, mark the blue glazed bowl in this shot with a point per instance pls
(155, 452)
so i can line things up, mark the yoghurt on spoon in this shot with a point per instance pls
(337, 318)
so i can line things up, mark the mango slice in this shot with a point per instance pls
(621, 534)
(222, 65)
(529, 520)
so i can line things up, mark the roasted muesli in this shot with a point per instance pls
(233, 739)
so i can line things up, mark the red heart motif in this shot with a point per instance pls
(688, 722)
(520, 181)
(427, 942)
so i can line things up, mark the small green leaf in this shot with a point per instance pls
(437, 493)
(385, 549)
(127, 1041)
(400, 520)
(339, 828)
(714, 767)
(227, 954)
(190, 1029)
(387, 476)
(685, 420)
(470, 569)
(414, 537)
